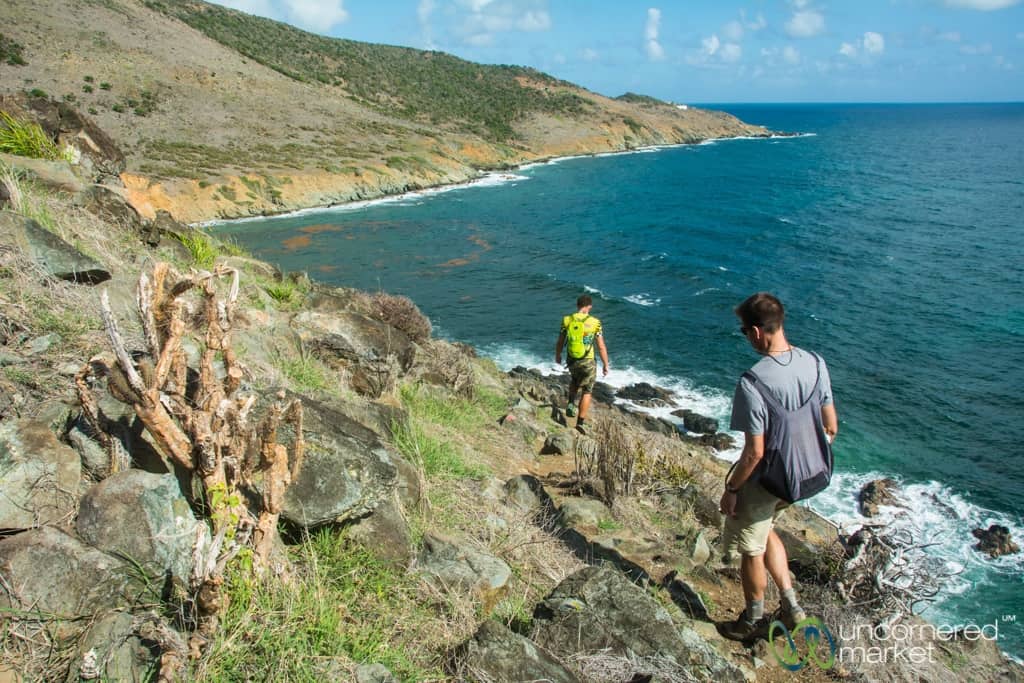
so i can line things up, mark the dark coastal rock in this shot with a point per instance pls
(143, 516)
(40, 476)
(597, 609)
(645, 394)
(683, 595)
(113, 645)
(876, 493)
(55, 256)
(495, 653)
(720, 441)
(603, 393)
(526, 492)
(695, 422)
(995, 541)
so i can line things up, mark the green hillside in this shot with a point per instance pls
(428, 87)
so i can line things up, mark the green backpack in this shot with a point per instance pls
(577, 342)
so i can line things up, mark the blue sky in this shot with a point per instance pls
(709, 51)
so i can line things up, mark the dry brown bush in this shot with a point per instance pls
(452, 364)
(401, 313)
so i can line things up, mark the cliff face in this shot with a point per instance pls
(209, 132)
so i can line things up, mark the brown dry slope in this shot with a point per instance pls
(209, 132)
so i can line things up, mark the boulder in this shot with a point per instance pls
(113, 649)
(588, 512)
(603, 393)
(51, 572)
(697, 423)
(65, 124)
(109, 203)
(525, 492)
(683, 595)
(559, 443)
(385, 534)
(56, 175)
(495, 653)
(460, 567)
(645, 393)
(40, 476)
(346, 474)
(55, 256)
(720, 441)
(374, 673)
(995, 541)
(598, 610)
(143, 516)
(361, 336)
(876, 493)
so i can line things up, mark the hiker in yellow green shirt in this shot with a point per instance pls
(579, 334)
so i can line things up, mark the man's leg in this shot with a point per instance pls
(584, 404)
(777, 563)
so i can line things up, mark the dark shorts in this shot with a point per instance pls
(584, 374)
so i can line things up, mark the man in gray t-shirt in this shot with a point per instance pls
(789, 374)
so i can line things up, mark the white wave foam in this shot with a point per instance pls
(642, 299)
(594, 290)
(783, 219)
(412, 197)
(661, 256)
(932, 513)
(706, 290)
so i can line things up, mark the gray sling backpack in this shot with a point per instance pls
(797, 460)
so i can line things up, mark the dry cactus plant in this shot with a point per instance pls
(200, 421)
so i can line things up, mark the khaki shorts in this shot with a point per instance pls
(584, 374)
(756, 512)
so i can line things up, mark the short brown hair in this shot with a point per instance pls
(584, 300)
(762, 310)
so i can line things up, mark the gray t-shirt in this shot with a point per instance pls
(789, 377)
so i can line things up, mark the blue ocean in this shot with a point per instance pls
(893, 233)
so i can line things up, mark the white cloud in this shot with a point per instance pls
(651, 45)
(805, 24)
(316, 15)
(755, 24)
(982, 5)
(590, 55)
(731, 52)
(481, 20)
(709, 46)
(848, 50)
(423, 12)
(800, 4)
(983, 49)
(874, 43)
(733, 31)
(949, 36)
(1020, 36)
(791, 55)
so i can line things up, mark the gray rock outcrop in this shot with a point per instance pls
(145, 517)
(459, 567)
(495, 653)
(598, 610)
(346, 474)
(40, 476)
(53, 255)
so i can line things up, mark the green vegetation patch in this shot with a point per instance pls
(416, 85)
(634, 98)
(11, 52)
(341, 605)
(25, 138)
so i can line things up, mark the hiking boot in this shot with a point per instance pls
(570, 410)
(582, 428)
(745, 630)
(790, 618)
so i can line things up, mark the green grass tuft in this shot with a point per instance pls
(200, 246)
(26, 139)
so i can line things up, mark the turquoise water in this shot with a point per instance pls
(892, 233)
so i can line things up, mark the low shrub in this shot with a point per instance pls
(400, 312)
(25, 138)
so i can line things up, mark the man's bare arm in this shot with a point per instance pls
(830, 420)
